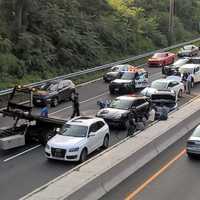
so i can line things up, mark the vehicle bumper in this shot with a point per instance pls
(108, 78)
(155, 64)
(40, 102)
(193, 150)
(69, 156)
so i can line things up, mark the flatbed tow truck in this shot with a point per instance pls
(27, 127)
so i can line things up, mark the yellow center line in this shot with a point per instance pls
(132, 195)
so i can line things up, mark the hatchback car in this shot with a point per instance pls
(53, 92)
(193, 143)
(79, 137)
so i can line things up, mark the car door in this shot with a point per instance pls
(140, 105)
(197, 74)
(92, 143)
(101, 132)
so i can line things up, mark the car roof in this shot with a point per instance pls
(131, 97)
(84, 120)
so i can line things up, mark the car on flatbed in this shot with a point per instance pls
(115, 72)
(130, 81)
(188, 51)
(161, 59)
(116, 114)
(53, 92)
(79, 137)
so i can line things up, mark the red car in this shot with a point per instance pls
(161, 59)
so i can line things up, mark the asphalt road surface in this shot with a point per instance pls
(171, 175)
(25, 169)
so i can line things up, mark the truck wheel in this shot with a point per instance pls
(83, 156)
(54, 102)
(46, 136)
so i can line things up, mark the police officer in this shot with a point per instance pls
(75, 101)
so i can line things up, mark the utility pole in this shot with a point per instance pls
(171, 19)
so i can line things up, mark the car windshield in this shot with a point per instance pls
(196, 132)
(180, 62)
(74, 131)
(159, 85)
(187, 47)
(158, 55)
(128, 76)
(123, 104)
(50, 87)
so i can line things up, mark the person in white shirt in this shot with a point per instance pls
(188, 83)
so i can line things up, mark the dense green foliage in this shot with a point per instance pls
(45, 38)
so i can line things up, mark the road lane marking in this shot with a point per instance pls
(19, 154)
(85, 101)
(132, 195)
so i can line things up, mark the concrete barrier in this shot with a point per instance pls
(92, 180)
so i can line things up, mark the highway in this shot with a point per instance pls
(171, 175)
(25, 169)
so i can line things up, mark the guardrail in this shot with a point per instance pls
(106, 66)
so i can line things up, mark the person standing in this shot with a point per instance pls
(44, 111)
(184, 80)
(75, 101)
(189, 83)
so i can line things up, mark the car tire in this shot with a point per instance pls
(83, 156)
(180, 93)
(54, 102)
(111, 92)
(105, 142)
(190, 155)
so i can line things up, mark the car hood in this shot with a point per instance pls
(60, 141)
(148, 91)
(112, 113)
(121, 81)
(155, 59)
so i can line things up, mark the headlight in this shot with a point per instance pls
(47, 147)
(74, 149)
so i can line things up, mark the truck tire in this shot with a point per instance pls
(46, 136)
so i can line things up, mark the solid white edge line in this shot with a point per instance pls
(19, 154)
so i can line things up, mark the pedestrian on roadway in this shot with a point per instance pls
(189, 83)
(75, 101)
(184, 80)
(44, 111)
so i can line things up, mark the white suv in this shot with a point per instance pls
(79, 137)
(193, 69)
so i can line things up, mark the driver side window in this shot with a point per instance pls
(93, 128)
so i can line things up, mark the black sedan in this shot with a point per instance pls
(53, 92)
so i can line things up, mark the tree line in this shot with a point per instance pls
(40, 39)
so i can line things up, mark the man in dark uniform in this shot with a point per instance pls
(75, 101)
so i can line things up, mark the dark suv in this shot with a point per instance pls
(53, 92)
(117, 112)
